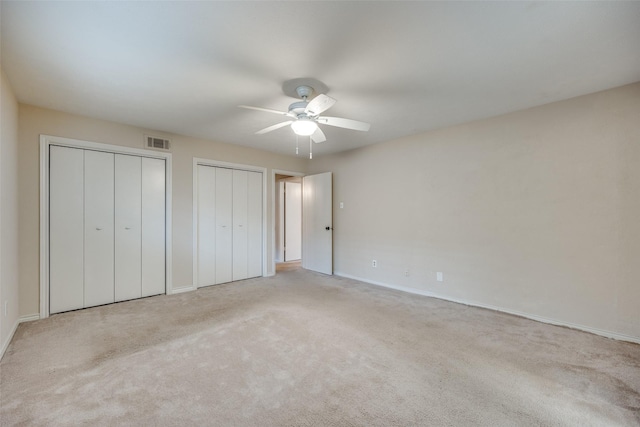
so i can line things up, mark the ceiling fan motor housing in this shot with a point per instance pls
(304, 91)
(298, 108)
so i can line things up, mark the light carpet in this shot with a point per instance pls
(304, 349)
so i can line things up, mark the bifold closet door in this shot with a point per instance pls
(254, 224)
(66, 231)
(240, 228)
(224, 225)
(229, 225)
(128, 221)
(206, 225)
(98, 228)
(153, 226)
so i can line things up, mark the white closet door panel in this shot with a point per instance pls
(240, 225)
(153, 227)
(128, 233)
(224, 225)
(66, 231)
(254, 224)
(98, 227)
(206, 226)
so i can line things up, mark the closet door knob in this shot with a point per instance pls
(127, 228)
(98, 228)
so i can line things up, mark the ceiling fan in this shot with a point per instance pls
(305, 116)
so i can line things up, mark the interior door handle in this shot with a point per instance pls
(327, 228)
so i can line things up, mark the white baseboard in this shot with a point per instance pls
(181, 290)
(29, 318)
(6, 343)
(596, 331)
(21, 319)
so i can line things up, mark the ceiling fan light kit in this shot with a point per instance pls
(305, 114)
(304, 126)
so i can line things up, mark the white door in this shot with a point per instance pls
(98, 228)
(224, 224)
(317, 223)
(153, 226)
(106, 227)
(128, 233)
(228, 225)
(293, 221)
(206, 226)
(254, 224)
(66, 235)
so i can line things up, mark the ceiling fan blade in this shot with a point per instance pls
(319, 104)
(318, 136)
(268, 110)
(344, 123)
(274, 127)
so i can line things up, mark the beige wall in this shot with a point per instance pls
(34, 121)
(8, 212)
(534, 212)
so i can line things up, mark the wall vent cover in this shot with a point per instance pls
(157, 143)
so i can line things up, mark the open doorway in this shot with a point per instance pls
(288, 221)
(315, 223)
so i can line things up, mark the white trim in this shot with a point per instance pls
(44, 227)
(29, 318)
(596, 331)
(45, 142)
(237, 166)
(228, 165)
(21, 319)
(275, 172)
(6, 343)
(182, 290)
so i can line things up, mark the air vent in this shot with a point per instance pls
(157, 143)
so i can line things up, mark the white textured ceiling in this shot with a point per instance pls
(405, 67)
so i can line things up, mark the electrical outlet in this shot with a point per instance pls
(406, 273)
(439, 276)
(374, 263)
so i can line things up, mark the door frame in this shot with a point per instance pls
(275, 172)
(45, 142)
(237, 166)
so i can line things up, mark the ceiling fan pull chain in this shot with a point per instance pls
(310, 148)
(296, 145)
